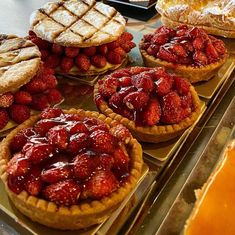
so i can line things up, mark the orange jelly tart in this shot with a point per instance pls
(190, 52)
(69, 169)
(214, 209)
(80, 37)
(25, 83)
(155, 105)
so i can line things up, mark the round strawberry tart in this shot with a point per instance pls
(189, 52)
(69, 169)
(155, 105)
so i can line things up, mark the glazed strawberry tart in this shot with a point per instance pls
(155, 105)
(25, 83)
(189, 52)
(69, 169)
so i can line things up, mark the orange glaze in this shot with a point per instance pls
(216, 210)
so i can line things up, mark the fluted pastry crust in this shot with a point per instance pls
(77, 23)
(77, 216)
(215, 16)
(19, 62)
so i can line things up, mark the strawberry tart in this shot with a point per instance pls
(189, 52)
(69, 169)
(155, 105)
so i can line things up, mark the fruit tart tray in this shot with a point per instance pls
(34, 228)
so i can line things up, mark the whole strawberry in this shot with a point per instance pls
(102, 141)
(40, 102)
(18, 165)
(78, 142)
(23, 97)
(101, 184)
(181, 85)
(6, 100)
(108, 87)
(83, 62)
(64, 193)
(143, 81)
(44, 125)
(57, 172)
(171, 108)
(33, 183)
(83, 165)
(121, 160)
(71, 51)
(19, 113)
(51, 113)
(152, 113)
(58, 136)
(54, 96)
(20, 139)
(4, 118)
(136, 100)
(39, 152)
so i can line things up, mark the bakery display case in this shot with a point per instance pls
(176, 162)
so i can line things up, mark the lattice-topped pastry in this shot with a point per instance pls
(215, 16)
(24, 82)
(76, 26)
(55, 21)
(19, 62)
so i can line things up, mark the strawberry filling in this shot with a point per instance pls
(84, 59)
(39, 93)
(188, 46)
(149, 96)
(67, 158)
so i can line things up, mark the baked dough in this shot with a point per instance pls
(215, 16)
(77, 23)
(19, 62)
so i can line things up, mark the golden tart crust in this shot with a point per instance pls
(216, 17)
(193, 74)
(78, 216)
(71, 23)
(153, 134)
(19, 62)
